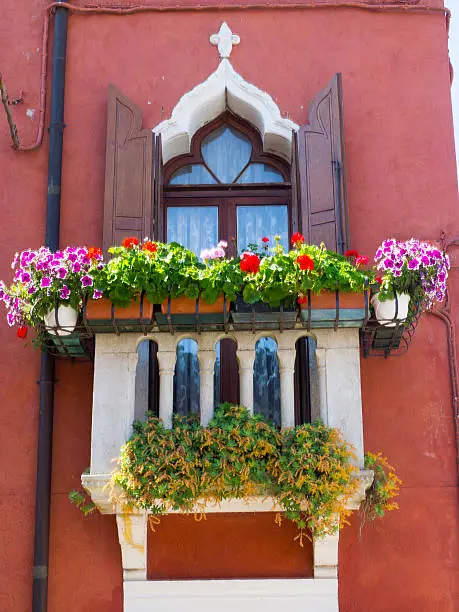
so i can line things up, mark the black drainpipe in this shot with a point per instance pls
(46, 382)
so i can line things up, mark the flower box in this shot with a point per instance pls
(103, 317)
(260, 316)
(334, 309)
(185, 314)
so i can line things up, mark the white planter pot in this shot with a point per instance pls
(389, 309)
(66, 320)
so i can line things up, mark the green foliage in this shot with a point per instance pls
(130, 272)
(306, 469)
(331, 271)
(82, 502)
(280, 277)
(220, 276)
(384, 488)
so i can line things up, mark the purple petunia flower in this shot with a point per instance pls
(86, 281)
(413, 264)
(25, 277)
(97, 294)
(72, 257)
(388, 263)
(64, 292)
(31, 290)
(61, 273)
(76, 267)
(45, 282)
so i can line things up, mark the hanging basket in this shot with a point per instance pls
(390, 313)
(61, 320)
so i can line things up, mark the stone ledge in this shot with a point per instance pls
(98, 487)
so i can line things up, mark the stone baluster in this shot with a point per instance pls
(287, 385)
(206, 381)
(246, 358)
(166, 362)
(321, 357)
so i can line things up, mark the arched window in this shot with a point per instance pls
(226, 187)
(266, 382)
(186, 378)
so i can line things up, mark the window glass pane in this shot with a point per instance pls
(226, 151)
(255, 222)
(197, 174)
(266, 382)
(194, 227)
(260, 173)
(226, 372)
(186, 378)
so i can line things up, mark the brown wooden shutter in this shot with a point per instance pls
(321, 171)
(128, 172)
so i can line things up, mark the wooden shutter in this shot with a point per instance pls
(321, 171)
(128, 172)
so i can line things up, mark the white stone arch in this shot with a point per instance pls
(225, 89)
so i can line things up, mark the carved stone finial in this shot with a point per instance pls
(224, 40)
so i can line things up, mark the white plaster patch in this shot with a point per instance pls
(30, 112)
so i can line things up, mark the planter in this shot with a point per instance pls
(391, 312)
(61, 321)
(260, 316)
(184, 305)
(102, 316)
(185, 314)
(334, 309)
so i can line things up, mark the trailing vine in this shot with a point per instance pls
(384, 488)
(307, 469)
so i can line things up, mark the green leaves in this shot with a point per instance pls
(178, 271)
(239, 455)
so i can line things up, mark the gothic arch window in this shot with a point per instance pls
(226, 187)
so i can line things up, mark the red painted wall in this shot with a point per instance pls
(401, 181)
(236, 545)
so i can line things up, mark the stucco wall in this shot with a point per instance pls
(401, 181)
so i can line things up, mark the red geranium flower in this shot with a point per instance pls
(130, 242)
(351, 253)
(305, 262)
(94, 253)
(378, 279)
(21, 332)
(302, 299)
(249, 263)
(297, 237)
(149, 246)
(265, 239)
(361, 260)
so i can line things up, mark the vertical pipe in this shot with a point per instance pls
(46, 382)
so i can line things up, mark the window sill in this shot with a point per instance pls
(98, 487)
